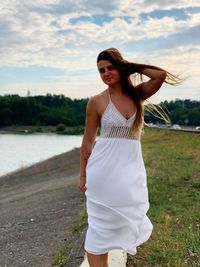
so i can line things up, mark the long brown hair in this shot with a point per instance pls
(126, 69)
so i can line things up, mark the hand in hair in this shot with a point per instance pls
(134, 68)
(129, 68)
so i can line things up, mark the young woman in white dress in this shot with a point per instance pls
(112, 173)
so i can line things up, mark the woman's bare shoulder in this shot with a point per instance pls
(99, 101)
(99, 96)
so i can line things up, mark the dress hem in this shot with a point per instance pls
(112, 248)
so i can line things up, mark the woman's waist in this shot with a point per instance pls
(110, 145)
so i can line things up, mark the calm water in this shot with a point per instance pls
(17, 151)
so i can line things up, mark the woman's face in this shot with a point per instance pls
(109, 74)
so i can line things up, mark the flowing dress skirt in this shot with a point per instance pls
(116, 197)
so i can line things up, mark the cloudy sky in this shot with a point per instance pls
(50, 46)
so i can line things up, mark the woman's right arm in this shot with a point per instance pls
(91, 126)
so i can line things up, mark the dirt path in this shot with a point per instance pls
(38, 205)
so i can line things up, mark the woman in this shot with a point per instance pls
(112, 172)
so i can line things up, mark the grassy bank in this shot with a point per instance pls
(173, 169)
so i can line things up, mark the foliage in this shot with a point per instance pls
(183, 112)
(41, 110)
(60, 127)
(52, 110)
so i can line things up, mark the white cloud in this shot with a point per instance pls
(37, 35)
(151, 5)
(40, 33)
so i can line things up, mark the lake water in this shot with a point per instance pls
(18, 151)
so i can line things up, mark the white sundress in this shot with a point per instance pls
(117, 194)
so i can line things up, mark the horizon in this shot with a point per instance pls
(53, 94)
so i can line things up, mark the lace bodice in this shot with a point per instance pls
(115, 125)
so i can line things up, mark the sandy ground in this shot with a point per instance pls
(38, 205)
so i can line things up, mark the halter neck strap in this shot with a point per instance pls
(109, 95)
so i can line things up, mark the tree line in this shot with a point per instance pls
(59, 109)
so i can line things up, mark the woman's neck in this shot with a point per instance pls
(115, 89)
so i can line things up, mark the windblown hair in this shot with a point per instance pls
(126, 69)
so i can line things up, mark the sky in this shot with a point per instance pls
(51, 46)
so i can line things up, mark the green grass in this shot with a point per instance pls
(172, 161)
(61, 257)
(80, 224)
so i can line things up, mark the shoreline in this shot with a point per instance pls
(13, 129)
(33, 129)
(38, 206)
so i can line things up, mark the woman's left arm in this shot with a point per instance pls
(157, 78)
